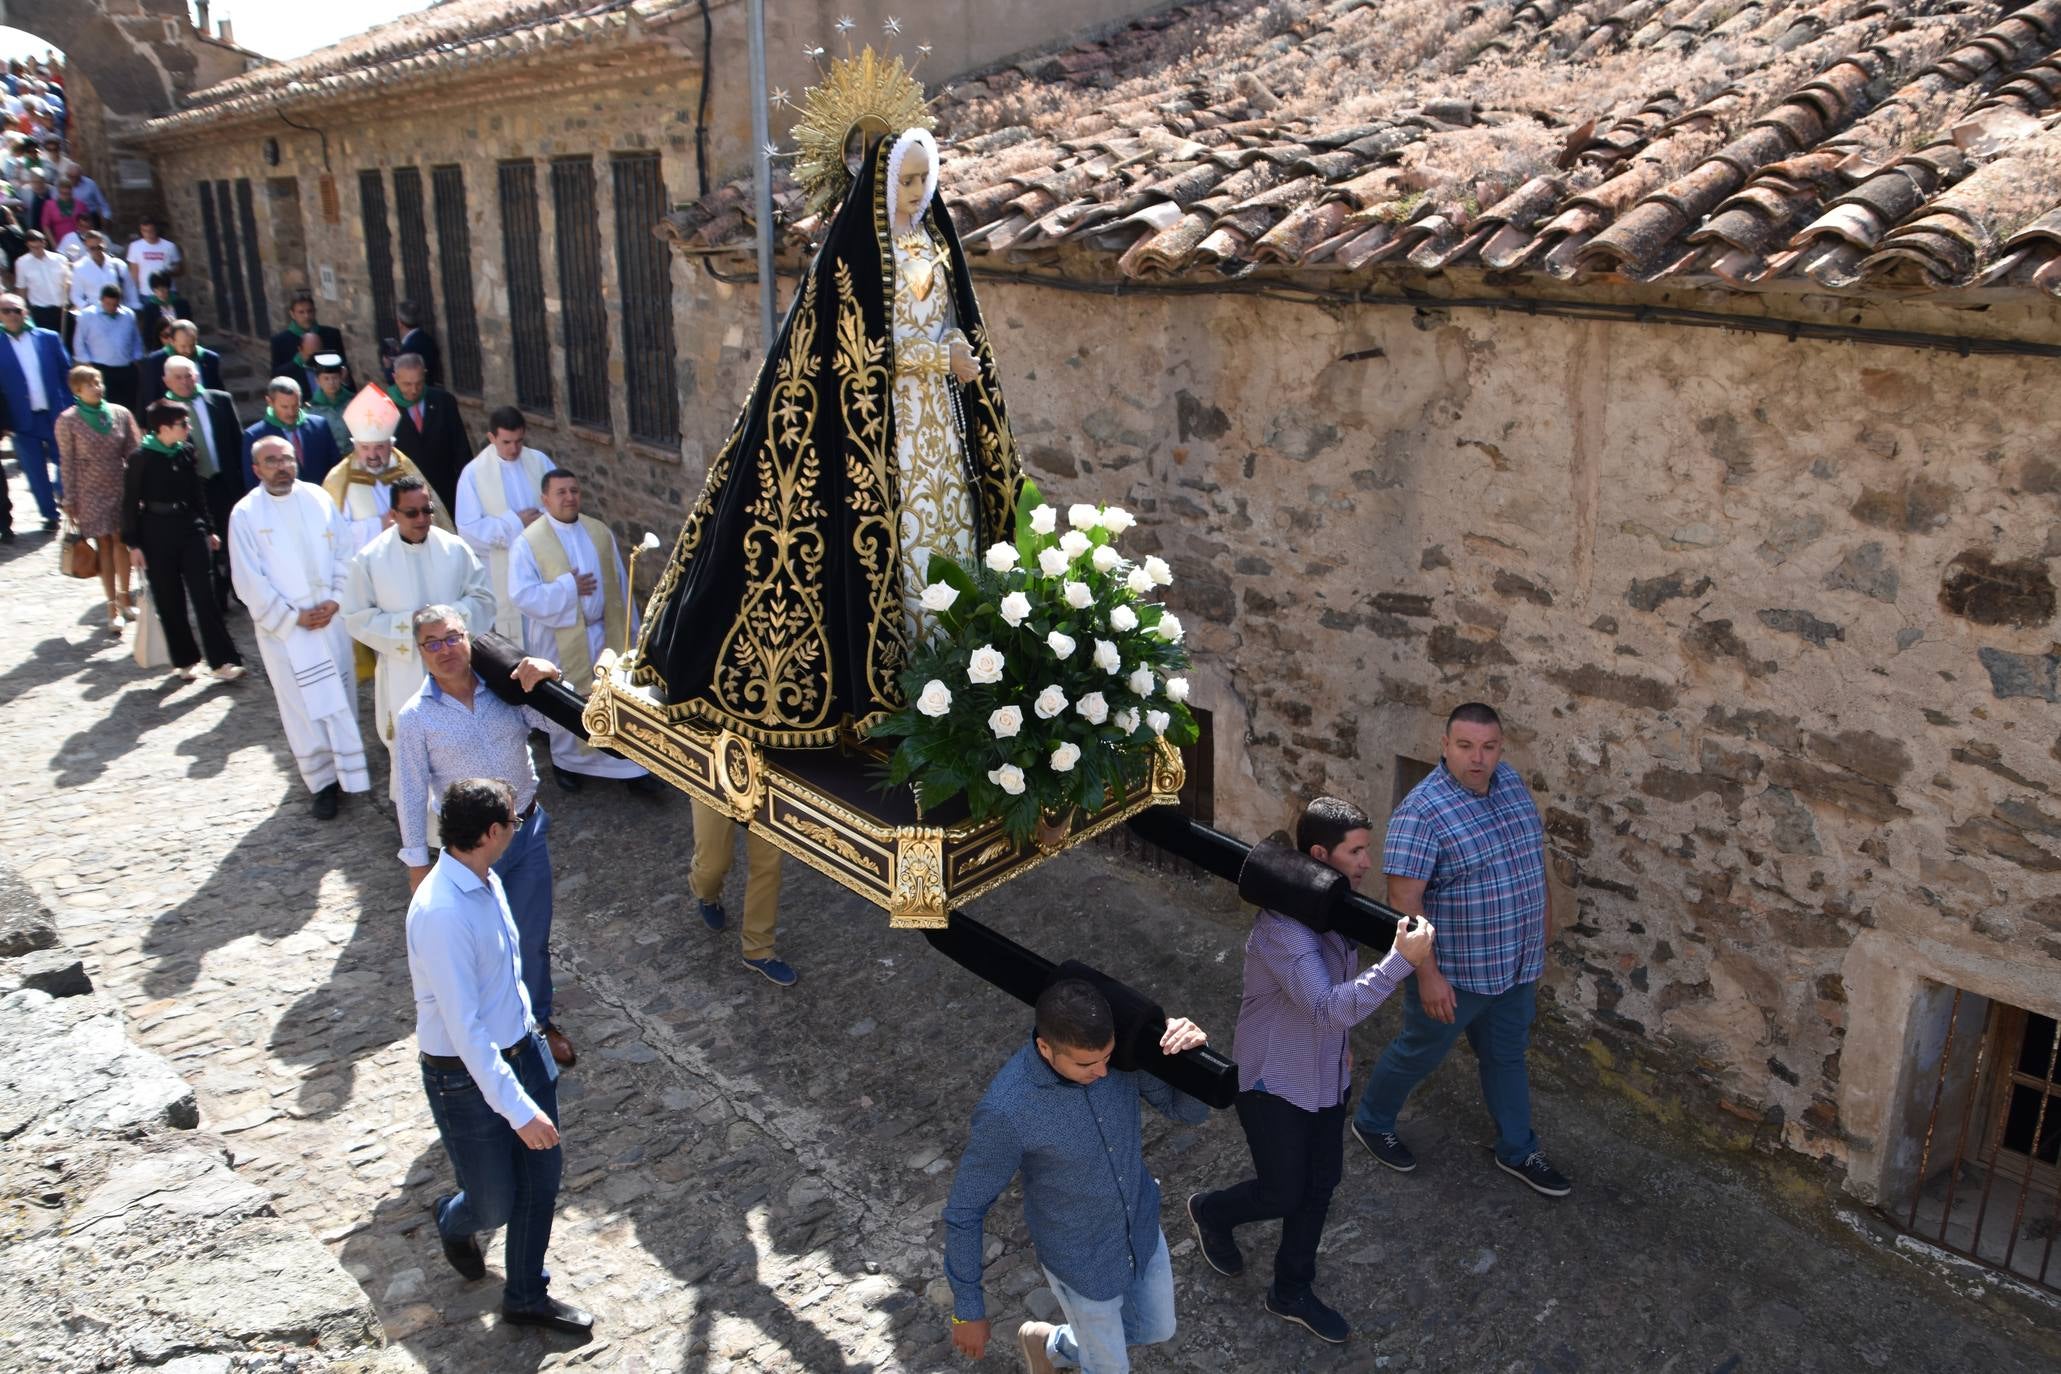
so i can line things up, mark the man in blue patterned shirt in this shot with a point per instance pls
(1059, 1115)
(1467, 851)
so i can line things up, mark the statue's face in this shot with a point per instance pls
(910, 182)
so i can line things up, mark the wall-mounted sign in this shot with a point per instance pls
(132, 174)
(327, 274)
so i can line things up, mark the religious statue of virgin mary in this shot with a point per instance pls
(874, 437)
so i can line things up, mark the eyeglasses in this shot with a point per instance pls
(8, 310)
(418, 513)
(450, 641)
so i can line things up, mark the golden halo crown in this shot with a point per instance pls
(862, 96)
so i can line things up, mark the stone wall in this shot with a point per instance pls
(1772, 625)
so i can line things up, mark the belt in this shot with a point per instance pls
(452, 1061)
(522, 817)
(165, 507)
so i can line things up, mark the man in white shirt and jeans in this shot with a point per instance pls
(492, 1087)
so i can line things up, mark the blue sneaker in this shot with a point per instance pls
(775, 969)
(712, 914)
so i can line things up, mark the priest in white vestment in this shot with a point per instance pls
(567, 579)
(362, 485)
(289, 560)
(412, 565)
(500, 494)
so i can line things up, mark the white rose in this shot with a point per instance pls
(985, 665)
(1169, 628)
(1061, 645)
(1015, 607)
(1006, 721)
(1105, 558)
(1093, 708)
(1050, 702)
(1002, 557)
(1158, 571)
(1052, 562)
(1177, 689)
(1127, 720)
(1139, 581)
(1116, 519)
(939, 596)
(1083, 516)
(1044, 520)
(1008, 777)
(1107, 658)
(1078, 595)
(1123, 618)
(936, 699)
(1073, 543)
(1158, 720)
(1140, 681)
(1065, 757)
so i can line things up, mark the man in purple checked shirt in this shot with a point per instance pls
(1304, 992)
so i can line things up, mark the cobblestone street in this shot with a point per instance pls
(754, 1175)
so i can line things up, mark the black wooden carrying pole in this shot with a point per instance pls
(494, 659)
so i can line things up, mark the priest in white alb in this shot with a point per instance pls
(567, 579)
(501, 494)
(411, 565)
(289, 560)
(362, 484)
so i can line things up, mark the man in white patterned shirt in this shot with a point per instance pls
(456, 728)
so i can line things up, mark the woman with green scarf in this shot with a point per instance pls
(94, 439)
(165, 521)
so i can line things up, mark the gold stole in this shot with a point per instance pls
(573, 659)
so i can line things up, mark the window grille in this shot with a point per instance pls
(522, 252)
(246, 213)
(454, 261)
(583, 309)
(644, 275)
(414, 235)
(232, 254)
(379, 250)
(218, 271)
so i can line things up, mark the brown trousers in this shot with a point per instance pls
(714, 848)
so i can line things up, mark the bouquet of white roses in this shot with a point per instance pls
(1051, 674)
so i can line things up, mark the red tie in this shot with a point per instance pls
(416, 411)
(295, 435)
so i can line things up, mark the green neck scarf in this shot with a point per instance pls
(96, 415)
(157, 445)
(393, 393)
(273, 416)
(298, 329)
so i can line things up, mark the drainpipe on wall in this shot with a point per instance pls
(762, 163)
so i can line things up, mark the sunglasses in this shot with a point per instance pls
(415, 513)
(450, 641)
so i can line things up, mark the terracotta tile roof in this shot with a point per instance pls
(1894, 145)
(444, 38)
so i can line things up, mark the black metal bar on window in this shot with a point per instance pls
(454, 264)
(521, 251)
(414, 235)
(217, 268)
(247, 216)
(232, 254)
(644, 277)
(584, 311)
(379, 250)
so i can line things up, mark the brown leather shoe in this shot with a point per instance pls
(561, 1048)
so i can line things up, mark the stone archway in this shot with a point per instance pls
(137, 54)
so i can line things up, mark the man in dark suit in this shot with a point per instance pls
(217, 438)
(314, 448)
(34, 383)
(432, 431)
(159, 308)
(6, 501)
(182, 340)
(417, 340)
(294, 347)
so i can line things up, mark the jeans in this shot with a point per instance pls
(1097, 1335)
(501, 1181)
(1499, 1029)
(1297, 1158)
(35, 453)
(525, 871)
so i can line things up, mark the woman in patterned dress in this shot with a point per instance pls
(94, 441)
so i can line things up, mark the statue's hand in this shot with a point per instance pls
(965, 364)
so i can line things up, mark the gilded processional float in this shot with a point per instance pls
(876, 645)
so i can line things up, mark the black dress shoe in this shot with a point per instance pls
(325, 803)
(464, 1252)
(7, 536)
(567, 782)
(553, 1315)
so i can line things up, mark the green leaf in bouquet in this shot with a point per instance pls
(1027, 500)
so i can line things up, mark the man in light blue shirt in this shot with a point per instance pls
(492, 1087)
(106, 337)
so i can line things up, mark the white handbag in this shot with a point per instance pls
(149, 637)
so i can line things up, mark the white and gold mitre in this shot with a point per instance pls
(863, 96)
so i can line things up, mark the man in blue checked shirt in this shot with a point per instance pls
(1466, 850)
(1071, 1126)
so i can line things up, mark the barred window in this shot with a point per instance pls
(233, 278)
(584, 310)
(218, 270)
(522, 253)
(414, 242)
(644, 275)
(454, 262)
(246, 215)
(379, 250)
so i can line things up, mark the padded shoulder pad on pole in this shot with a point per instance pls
(1278, 877)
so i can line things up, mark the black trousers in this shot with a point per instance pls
(224, 490)
(175, 564)
(1297, 1159)
(51, 317)
(6, 505)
